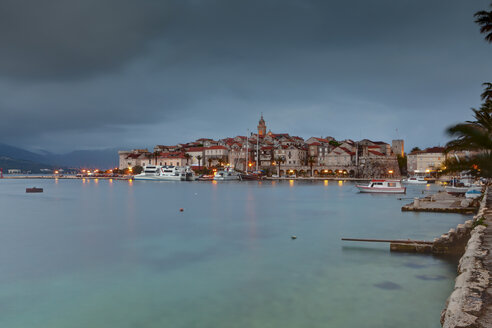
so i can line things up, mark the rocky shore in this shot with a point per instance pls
(470, 303)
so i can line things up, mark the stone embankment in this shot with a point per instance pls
(470, 304)
(451, 243)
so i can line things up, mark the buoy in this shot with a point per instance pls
(181, 209)
(293, 237)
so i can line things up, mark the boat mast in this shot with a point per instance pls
(257, 151)
(247, 155)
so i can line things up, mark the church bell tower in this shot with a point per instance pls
(261, 127)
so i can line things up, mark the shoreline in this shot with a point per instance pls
(68, 177)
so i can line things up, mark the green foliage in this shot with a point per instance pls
(415, 149)
(487, 92)
(473, 136)
(484, 19)
(480, 221)
(334, 143)
(402, 164)
(477, 165)
(137, 169)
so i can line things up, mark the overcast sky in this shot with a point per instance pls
(104, 73)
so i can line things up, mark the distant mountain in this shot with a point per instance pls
(7, 163)
(103, 159)
(18, 153)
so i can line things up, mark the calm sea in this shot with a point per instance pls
(89, 253)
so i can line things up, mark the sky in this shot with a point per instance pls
(99, 74)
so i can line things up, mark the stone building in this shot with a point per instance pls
(215, 154)
(195, 153)
(172, 159)
(426, 161)
(134, 157)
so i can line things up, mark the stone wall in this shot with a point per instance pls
(466, 301)
(454, 241)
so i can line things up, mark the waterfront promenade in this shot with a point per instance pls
(470, 304)
(485, 319)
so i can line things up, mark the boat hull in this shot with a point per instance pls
(366, 189)
(158, 178)
(415, 182)
(230, 178)
(34, 189)
(456, 190)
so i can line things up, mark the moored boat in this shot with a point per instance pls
(251, 176)
(383, 186)
(205, 177)
(457, 191)
(166, 173)
(34, 189)
(415, 180)
(227, 174)
(473, 193)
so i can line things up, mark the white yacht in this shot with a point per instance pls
(166, 173)
(383, 186)
(415, 180)
(227, 174)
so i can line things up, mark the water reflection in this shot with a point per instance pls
(291, 183)
(325, 183)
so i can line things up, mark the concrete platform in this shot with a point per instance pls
(442, 202)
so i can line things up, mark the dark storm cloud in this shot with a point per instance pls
(145, 72)
(60, 38)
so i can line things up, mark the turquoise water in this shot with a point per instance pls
(121, 254)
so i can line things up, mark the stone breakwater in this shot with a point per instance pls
(469, 305)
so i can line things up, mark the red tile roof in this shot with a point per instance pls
(194, 149)
(347, 151)
(172, 155)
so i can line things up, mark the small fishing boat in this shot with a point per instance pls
(205, 177)
(383, 186)
(228, 174)
(415, 180)
(457, 191)
(251, 176)
(34, 189)
(473, 193)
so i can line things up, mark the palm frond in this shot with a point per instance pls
(478, 165)
(487, 93)
(484, 19)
